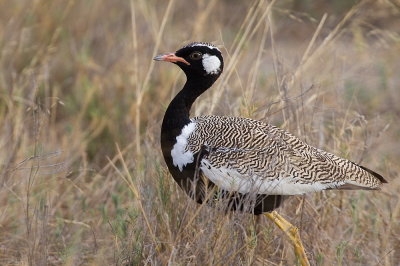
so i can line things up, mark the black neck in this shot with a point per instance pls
(177, 114)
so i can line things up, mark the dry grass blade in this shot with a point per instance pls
(132, 186)
(248, 33)
(76, 77)
(143, 87)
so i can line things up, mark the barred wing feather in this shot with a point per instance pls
(249, 156)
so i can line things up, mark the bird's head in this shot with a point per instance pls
(197, 59)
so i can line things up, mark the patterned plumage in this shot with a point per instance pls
(246, 155)
(233, 158)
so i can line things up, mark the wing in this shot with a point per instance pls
(245, 156)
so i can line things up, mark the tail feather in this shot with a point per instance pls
(378, 176)
(353, 186)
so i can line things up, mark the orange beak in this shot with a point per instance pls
(171, 57)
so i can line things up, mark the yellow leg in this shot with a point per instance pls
(293, 233)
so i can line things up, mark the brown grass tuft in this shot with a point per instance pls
(82, 180)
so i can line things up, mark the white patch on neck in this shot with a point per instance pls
(211, 64)
(180, 157)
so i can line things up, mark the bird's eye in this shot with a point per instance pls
(195, 55)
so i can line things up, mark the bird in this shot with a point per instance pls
(248, 164)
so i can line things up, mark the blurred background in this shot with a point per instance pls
(82, 179)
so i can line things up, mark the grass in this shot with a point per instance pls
(81, 172)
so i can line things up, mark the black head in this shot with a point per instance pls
(196, 59)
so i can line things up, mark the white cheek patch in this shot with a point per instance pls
(211, 64)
